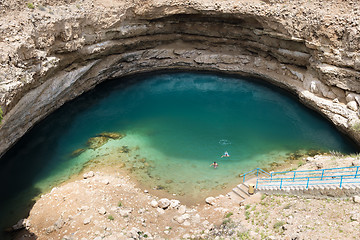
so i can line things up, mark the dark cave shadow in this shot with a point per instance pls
(14, 210)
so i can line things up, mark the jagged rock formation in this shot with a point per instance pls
(55, 52)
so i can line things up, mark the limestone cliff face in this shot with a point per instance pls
(55, 52)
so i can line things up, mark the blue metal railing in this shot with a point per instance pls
(330, 176)
(254, 172)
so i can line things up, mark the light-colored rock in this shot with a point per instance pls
(352, 105)
(102, 210)
(356, 199)
(319, 165)
(160, 210)
(89, 175)
(59, 223)
(174, 203)
(87, 220)
(196, 219)
(154, 203)
(182, 209)
(338, 92)
(186, 236)
(356, 163)
(164, 203)
(179, 219)
(355, 217)
(125, 212)
(187, 223)
(210, 200)
(22, 223)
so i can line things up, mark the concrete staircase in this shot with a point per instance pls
(329, 190)
(336, 182)
(242, 190)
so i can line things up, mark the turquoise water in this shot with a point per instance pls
(176, 125)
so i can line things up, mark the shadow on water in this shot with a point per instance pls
(11, 213)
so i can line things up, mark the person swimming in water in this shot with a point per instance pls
(214, 164)
(226, 154)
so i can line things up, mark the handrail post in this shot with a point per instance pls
(294, 177)
(357, 169)
(322, 174)
(257, 183)
(307, 184)
(341, 181)
(244, 178)
(271, 176)
(281, 183)
(257, 172)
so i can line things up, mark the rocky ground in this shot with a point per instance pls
(108, 205)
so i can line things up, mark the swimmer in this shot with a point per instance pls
(226, 154)
(214, 164)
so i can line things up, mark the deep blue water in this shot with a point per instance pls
(179, 122)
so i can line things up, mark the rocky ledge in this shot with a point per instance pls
(53, 51)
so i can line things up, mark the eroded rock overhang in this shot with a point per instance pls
(65, 57)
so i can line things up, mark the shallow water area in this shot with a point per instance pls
(172, 126)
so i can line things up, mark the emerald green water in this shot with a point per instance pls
(176, 125)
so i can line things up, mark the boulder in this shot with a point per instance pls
(87, 221)
(356, 199)
(102, 211)
(59, 223)
(355, 217)
(164, 203)
(22, 223)
(182, 209)
(154, 203)
(125, 212)
(174, 203)
(338, 92)
(89, 175)
(160, 210)
(352, 105)
(319, 165)
(196, 218)
(179, 219)
(186, 236)
(355, 163)
(134, 233)
(210, 200)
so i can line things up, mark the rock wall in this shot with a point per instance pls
(55, 52)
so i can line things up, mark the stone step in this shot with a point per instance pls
(242, 187)
(237, 192)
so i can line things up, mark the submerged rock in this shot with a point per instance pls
(112, 135)
(77, 152)
(96, 142)
(124, 149)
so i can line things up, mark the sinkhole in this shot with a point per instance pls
(165, 129)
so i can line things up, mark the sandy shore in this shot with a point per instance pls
(107, 204)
